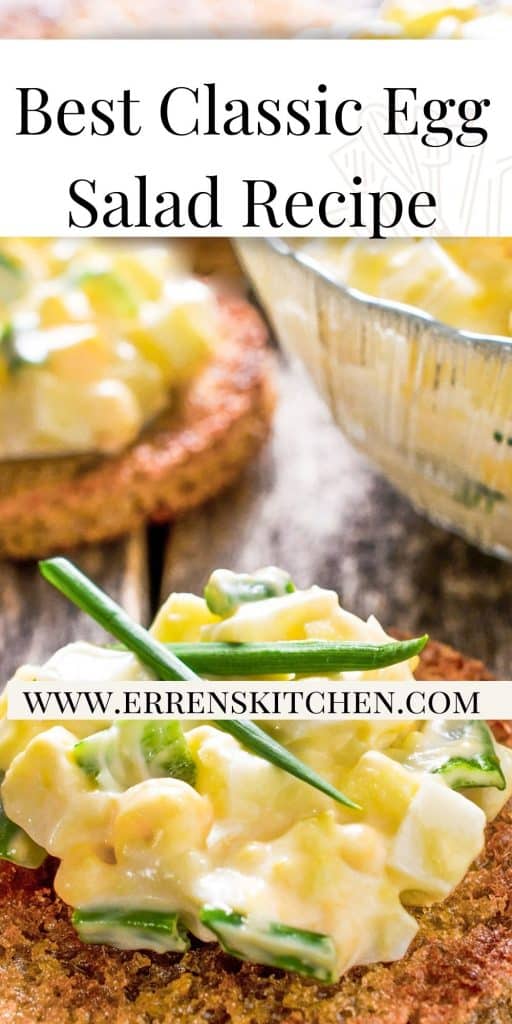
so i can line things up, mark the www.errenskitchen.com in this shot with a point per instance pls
(328, 700)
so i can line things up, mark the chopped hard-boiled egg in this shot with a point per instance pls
(161, 828)
(464, 282)
(421, 19)
(95, 337)
(447, 391)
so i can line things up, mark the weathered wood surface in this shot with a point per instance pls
(315, 507)
(35, 620)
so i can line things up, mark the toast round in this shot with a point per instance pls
(186, 456)
(458, 970)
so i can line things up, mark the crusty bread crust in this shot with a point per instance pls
(439, 661)
(185, 457)
(458, 970)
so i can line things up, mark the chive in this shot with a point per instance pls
(17, 352)
(129, 752)
(158, 930)
(108, 292)
(71, 582)
(463, 753)
(15, 845)
(12, 278)
(273, 943)
(227, 590)
(240, 660)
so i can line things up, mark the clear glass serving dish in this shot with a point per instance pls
(431, 406)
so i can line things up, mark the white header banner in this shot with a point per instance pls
(255, 137)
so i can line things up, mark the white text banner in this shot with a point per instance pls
(255, 137)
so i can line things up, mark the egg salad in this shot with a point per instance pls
(96, 338)
(438, 402)
(463, 282)
(164, 831)
(439, 19)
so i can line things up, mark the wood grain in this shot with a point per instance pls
(315, 507)
(35, 620)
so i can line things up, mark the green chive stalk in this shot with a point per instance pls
(300, 657)
(82, 592)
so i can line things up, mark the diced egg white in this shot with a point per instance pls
(96, 338)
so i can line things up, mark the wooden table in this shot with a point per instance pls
(312, 505)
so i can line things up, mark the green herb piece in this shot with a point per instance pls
(473, 494)
(278, 945)
(67, 578)
(130, 752)
(301, 657)
(12, 278)
(22, 348)
(16, 846)
(108, 293)
(463, 753)
(226, 590)
(156, 930)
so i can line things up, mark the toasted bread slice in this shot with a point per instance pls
(185, 457)
(458, 971)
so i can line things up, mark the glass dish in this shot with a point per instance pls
(430, 405)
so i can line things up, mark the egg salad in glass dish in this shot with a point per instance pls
(440, 399)
(95, 339)
(165, 831)
(463, 282)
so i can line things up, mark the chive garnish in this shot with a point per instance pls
(300, 657)
(82, 592)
